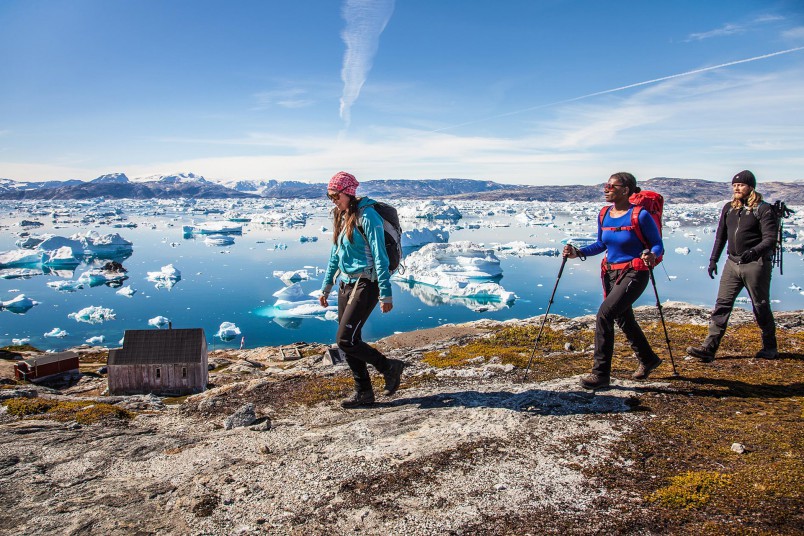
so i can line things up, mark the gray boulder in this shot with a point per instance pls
(244, 416)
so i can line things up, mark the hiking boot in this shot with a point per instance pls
(393, 376)
(703, 354)
(595, 381)
(767, 353)
(358, 399)
(644, 370)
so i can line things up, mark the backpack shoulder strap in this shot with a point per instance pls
(635, 224)
(603, 212)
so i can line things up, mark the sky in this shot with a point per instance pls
(514, 91)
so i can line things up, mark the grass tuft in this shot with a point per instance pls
(83, 412)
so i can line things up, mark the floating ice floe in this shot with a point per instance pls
(167, 277)
(126, 291)
(95, 340)
(20, 304)
(579, 241)
(461, 260)
(293, 303)
(219, 240)
(530, 217)
(682, 250)
(92, 315)
(213, 227)
(159, 322)
(65, 285)
(21, 258)
(19, 273)
(308, 239)
(431, 210)
(293, 276)
(56, 332)
(104, 246)
(427, 235)
(62, 257)
(54, 243)
(522, 249)
(227, 331)
(21, 342)
(100, 276)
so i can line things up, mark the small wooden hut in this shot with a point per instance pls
(46, 366)
(159, 361)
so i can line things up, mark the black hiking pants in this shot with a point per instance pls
(622, 290)
(353, 311)
(755, 277)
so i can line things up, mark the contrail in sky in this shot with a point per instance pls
(621, 88)
(365, 21)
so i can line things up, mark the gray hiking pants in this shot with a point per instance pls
(755, 277)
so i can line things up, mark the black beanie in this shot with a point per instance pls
(745, 177)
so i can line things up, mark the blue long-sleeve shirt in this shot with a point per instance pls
(356, 257)
(623, 246)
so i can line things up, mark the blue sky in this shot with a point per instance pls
(530, 92)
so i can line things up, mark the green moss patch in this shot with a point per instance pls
(691, 489)
(83, 412)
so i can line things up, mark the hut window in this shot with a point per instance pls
(158, 373)
(184, 372)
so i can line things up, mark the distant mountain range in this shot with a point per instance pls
(189, 185)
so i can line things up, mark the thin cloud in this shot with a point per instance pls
(365, 21)
(284, 98)
(794, 34)
(726, 29)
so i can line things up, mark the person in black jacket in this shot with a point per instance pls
(748, 226)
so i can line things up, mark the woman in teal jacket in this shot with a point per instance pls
(359, 261)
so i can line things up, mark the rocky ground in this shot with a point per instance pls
(465, 449)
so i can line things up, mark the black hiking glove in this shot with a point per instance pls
(712, 270)
(749, 256)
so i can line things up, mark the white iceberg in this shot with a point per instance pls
(459, 261)
(213, 227)
(21, 258)
(21, 342)
(19, 304)
(15, 273)
(522, 249)
(98, 276)
(159, 322)
(292, 293)
(426, 235)
(95, 340)
(292, 276)
(65, 285)
(53, 243)
(113, 244)
(166, 277)
(682, 250)
(431, 210)
(30, 241)
(93, 315)
(61, 258)
(56, 332)
(227, 331)
(126, 291)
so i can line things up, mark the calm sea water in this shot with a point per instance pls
(235, 283)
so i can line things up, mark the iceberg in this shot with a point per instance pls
(308, 239)
(458, 260)
(56, 332)
(100, 276)
(95, 340)
(53, 243)
(21, 342)
(227, 331)
(92, 315)
(167, 277)
(521, 249)
(61, 258)
(65, 286)
(105, 246)
(16, 273)
(431, 210)
(293, 276)
(159, 322)
(19, 305)
(478, 297)
(126, 291)
(425, 235)
(291, 293)
(682, 250)
(213, 227)
(21, 258)
(293, 303)
(30, 241)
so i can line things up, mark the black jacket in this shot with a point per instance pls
(746, 229)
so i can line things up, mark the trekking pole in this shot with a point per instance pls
(661, 315)
(544, 320)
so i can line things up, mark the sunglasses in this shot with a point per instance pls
(336, 195)
(607, 187)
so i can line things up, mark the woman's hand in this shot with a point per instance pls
(386, 307)
(649, 258)
(323, 301)
(570, 251)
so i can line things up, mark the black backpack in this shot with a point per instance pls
(780, 211)
(393, 234)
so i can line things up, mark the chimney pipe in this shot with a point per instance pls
(170, 325)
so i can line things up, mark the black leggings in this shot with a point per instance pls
(351, 319)
(622, 290)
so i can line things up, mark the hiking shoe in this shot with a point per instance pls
(358, 399)
(595, 381)
(393, 376)
(644, 370)
(704, 355)
(767, 353)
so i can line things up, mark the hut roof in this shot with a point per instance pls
(160, 346)
(45, 359)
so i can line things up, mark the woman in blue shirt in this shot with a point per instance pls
(625, 277)
(359, 260)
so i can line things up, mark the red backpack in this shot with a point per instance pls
(644, 200)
